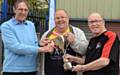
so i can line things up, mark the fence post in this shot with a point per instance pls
(0, 54)
(4, 10)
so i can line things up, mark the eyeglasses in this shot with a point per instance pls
(61, 17)
(20, 9)
(95, 21)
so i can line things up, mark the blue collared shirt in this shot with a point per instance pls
(20, 46)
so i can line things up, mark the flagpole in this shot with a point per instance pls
(52, 7)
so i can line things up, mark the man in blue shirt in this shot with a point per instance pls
(20, 43)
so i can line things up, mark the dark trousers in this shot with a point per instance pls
(19, 73)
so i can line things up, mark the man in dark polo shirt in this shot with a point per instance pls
(102, 57)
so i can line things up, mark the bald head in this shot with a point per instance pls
(95, 15)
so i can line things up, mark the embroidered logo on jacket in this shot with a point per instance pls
(98, 45)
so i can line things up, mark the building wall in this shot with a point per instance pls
(81, 8)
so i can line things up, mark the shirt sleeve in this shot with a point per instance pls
(111, 47)
(12, 43)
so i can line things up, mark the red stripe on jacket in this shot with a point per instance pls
(107, 47)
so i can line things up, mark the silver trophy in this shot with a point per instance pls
(59, 42)
(67, 64)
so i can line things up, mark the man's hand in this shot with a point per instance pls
(68, 57)
(44, 41)
(47, 48)
(70, 37)
(75, 59)
(78, 68)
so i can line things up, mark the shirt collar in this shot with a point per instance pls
(16, 22)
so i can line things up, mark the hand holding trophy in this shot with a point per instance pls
(67, 64)
(46, 45)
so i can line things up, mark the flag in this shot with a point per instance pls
(52, 7)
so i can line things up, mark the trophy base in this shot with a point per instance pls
(68, 66)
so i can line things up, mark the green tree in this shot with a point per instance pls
(38, 7)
